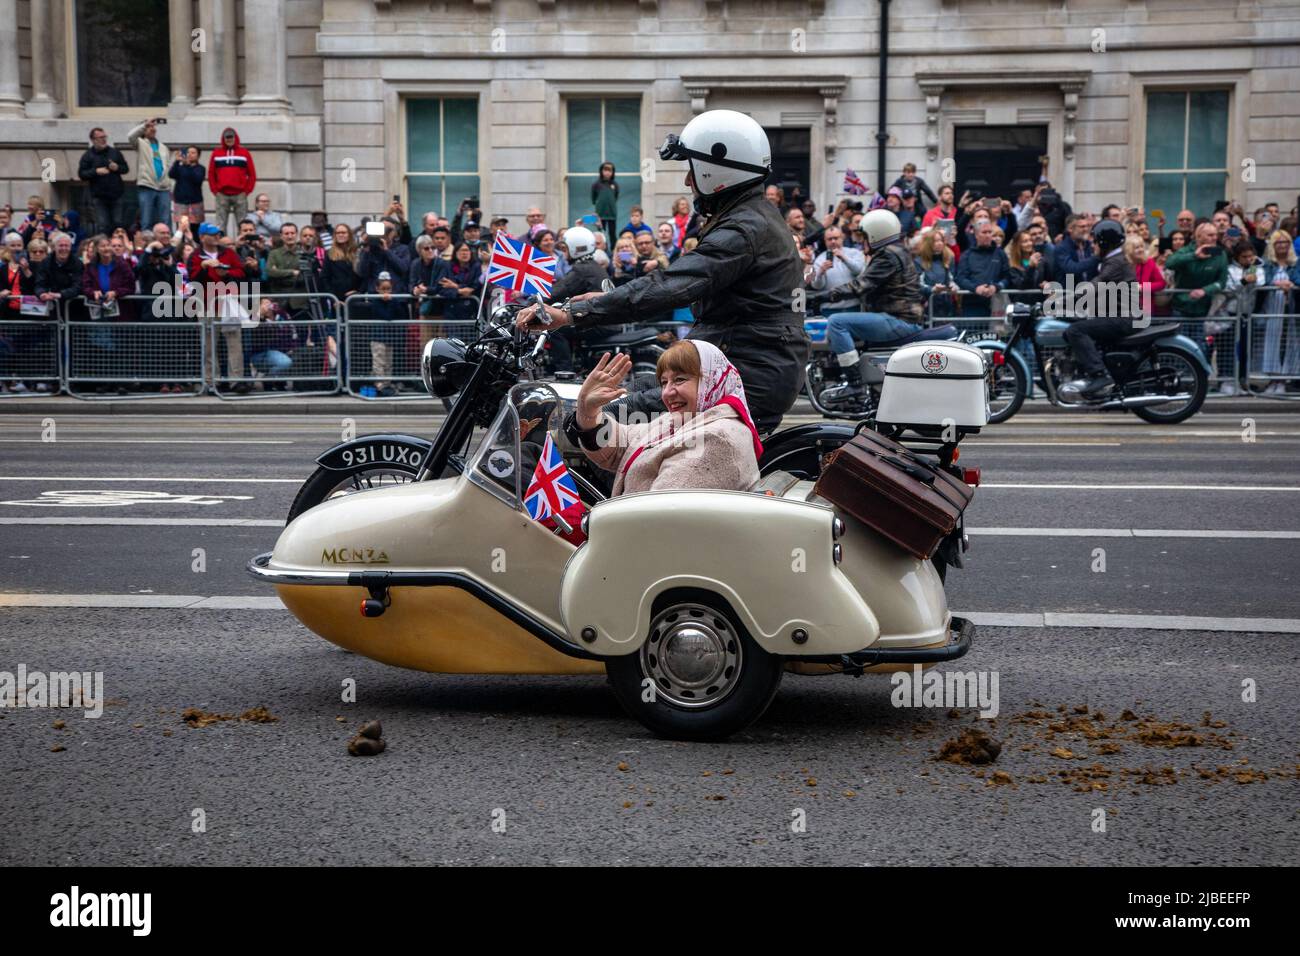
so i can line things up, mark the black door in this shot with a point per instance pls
(790, 160)
(998, 160)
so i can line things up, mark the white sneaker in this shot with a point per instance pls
(42, 387)
(1228, 388)
(1277, 388)
(17, 387)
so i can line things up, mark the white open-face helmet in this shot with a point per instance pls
(580, 241)
(726, 149)
(881, 227)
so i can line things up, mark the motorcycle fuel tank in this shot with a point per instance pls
(935, 384)
(1051, 333)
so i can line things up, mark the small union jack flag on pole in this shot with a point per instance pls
(853, 185)
(520, 267)
(552, 488)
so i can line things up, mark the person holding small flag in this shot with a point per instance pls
(705, 439)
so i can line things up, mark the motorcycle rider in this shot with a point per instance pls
(740, 281)
(1109, 296)
(585, 275)
(892, 286)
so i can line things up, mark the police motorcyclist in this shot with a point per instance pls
(1084, 334)
(585, 275)
(891, 286)
(740, 280)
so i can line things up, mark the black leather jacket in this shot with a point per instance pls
(891, 284)
(586, 275)
(740, 282)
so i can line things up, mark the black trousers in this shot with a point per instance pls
(1084, 335)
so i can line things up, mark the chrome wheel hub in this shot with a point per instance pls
(693, 656)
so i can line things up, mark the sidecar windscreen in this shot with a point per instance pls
(505, 461)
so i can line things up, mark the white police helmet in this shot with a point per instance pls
(726, 150)
(881, 227)
(581, 242)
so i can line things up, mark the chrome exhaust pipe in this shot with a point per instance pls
(1142, 401)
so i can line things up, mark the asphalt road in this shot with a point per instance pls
(1193, 521)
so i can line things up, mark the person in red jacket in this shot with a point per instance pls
(232, 177)
(211, 267)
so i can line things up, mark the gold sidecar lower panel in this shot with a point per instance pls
(439, 629)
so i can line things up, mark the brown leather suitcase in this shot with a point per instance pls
(884, 485)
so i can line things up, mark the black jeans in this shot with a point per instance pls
(108, 213)
(1084, 335)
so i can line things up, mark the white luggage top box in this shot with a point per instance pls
(935, 384)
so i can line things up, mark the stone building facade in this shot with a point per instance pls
(346, 103)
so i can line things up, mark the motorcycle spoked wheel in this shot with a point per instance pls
(1008, 385)
(1188, 375)
(705, 676)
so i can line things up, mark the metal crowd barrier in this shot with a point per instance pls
(148, 349)
(257, 357)
(30, 348)
(1273, 341)
(385, 340)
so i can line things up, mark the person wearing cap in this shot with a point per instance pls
(472, 235)
(211, 267)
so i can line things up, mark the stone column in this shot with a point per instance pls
(180, 20)
(42, 103)
(217, 59)
(266, 83)
(11, 91)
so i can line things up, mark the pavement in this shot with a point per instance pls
(1116, 566)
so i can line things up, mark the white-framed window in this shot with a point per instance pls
(441, 158)
(123, 54)
(1185, 164)
(600, 130)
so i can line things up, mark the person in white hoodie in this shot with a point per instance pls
(152, 184)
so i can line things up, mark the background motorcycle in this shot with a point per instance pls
(1160, 374)
(824, 371)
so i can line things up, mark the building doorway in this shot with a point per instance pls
(790, 166)
(998, 160)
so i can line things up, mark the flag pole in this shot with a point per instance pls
(478, 319)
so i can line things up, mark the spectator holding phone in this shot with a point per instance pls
(103, 166)
(945, 209)
(187, 176)
(1200, 269)
(152, 184)
(983, 271)
(624, 261)
(39, 223)
(834, 271)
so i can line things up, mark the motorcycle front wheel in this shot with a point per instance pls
(327, 483)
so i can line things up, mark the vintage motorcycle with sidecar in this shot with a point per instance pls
(694, 603)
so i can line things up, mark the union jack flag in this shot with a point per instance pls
(853, 185)
(552, 488)
(520, 267)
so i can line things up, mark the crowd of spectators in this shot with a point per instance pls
(969, 249)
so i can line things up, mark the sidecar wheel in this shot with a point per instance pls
(705, 677)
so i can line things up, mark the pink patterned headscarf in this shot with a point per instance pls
(720, 384)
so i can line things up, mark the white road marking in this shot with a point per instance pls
(153, 522)
(147, 441)
(1100, 487)
(1044, 444)
(1128, 533)
(1156, 622)
(142, 480)
(239, 602)
(995, 532)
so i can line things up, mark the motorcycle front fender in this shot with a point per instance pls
(405, 452)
